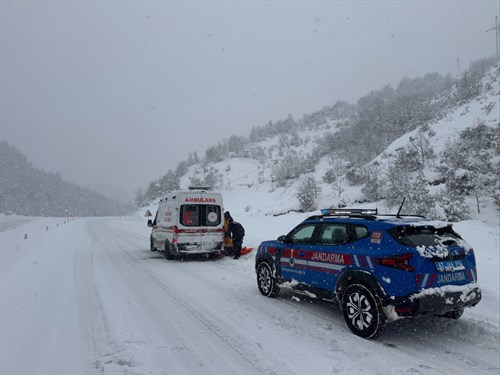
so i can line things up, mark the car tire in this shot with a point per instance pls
(266, 281)
(168, 251)
(455, 314)
(362, 311)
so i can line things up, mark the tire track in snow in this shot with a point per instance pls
(129, 268)
(96, 324)
(235, 344)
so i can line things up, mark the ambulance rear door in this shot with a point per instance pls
(200, 222)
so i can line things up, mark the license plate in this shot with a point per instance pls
(449, 266)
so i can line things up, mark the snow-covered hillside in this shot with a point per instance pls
(270, 166)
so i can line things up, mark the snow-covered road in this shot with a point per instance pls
(89, 297)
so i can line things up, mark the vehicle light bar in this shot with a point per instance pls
(349, 211)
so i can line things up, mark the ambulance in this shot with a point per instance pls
(188, 222)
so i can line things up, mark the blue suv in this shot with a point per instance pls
(380, 268)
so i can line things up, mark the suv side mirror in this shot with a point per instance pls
(282, 239)
(150, 223)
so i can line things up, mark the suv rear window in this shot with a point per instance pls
(424, 236)
(200, 215)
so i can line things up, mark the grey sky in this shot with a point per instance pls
(118, 92)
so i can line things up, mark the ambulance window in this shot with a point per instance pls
(200, 215)
(212, 216)
(160, 215)
(190, 215)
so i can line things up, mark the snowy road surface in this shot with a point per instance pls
(88, 297)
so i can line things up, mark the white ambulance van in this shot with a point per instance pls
(188, 222)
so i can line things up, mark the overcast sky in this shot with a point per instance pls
(118, 92)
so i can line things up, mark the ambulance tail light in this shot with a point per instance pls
(175, 229)
(401, 262)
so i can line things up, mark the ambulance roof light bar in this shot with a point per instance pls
(199, 188)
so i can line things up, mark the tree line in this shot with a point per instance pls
(26, 190)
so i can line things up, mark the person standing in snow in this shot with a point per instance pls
(236, 233)
(228, 241)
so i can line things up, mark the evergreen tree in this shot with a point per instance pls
(403, 184)
(307, 193)
(169, 182)
(454, 206)
(374, 186)
(468, 165)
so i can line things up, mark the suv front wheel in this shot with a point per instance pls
(266, 281)
(362, 311)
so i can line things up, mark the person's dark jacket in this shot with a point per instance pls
(236, 231)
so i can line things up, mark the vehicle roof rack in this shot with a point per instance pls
(399, 216)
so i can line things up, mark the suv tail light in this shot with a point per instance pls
(401, 262)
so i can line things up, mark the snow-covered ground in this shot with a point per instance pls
(88, 297)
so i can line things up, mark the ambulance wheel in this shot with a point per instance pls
(266, 281)
(151, 244)
(168, 251)
(362, 311)
(214, 255)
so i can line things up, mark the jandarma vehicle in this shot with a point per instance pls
(380, 268)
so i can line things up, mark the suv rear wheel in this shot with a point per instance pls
(362, 311)
(267, 283)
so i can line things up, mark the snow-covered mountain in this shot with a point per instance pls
(26, 190)
(444, 159)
